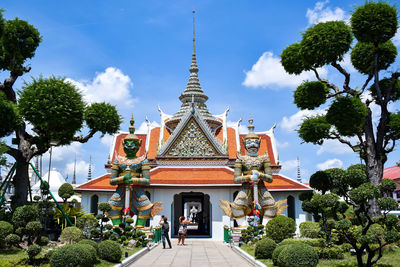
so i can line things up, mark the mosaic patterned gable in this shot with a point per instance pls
(192, 142)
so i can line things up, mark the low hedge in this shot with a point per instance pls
(6, 228)
(110, 250)
(74, 255)
(314, 242)
(264, 248)
(298, 255)
(276, 253)
(309, 229)
(334, 252)
(91, 243)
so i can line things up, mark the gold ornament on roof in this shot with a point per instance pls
(131, 135)
(251, 134)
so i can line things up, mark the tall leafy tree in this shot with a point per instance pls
(53, 106)
(349, 113)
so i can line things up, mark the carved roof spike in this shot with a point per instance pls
(131, 135)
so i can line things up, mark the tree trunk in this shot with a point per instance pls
(374, 163)
(21, 184)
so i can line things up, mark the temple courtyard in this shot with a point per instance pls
(196, 252)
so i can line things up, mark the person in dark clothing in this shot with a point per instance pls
(165, 231)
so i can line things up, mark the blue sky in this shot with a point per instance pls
(136, 55)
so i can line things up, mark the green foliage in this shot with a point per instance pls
(71, 234)
(387, 203)
(307, 195)
(355, 176)
(314, 129)
(314, 242)
(33, 229)
(33, 250)
(394, 125)
(63, 115)
(19, 41)
(86, 223)
(291, 59)
(43, 241)
(110, 250)
(347, 114)
(105, 207)
(325, 43)
(24, 214)
(276, 253)
(310, 95)
(309, 229)
(386, 85)
(388, 186)
(298, 255)
(6, 228)
(73, 255)
(248, 234)
(129, 220)
(363, 56)
(264, 248)
(12, 240)
(10, 118)
(91, 243)
(334, 252)
(364, 193)
(374, 22)
(343, 224)
(66, 191)
(280, 228)
(320, 181)
(102, 117)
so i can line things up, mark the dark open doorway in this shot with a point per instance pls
(195, 206)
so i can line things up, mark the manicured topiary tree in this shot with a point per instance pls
(66, 191)
(349, 109)
(104, 208)
(298, 255)
(87, 223)
(33, 251)
(364, 233)
(309, 229)
(6, 228)
(12, 240)
(91, 243)
(280, 227)
(33, 229)
(73, 255)
(71, 234)
(110, 250)
(264, 248)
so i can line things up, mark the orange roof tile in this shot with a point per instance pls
(154, 134)
(167, 134)
(194, 176)
(232, 147)
(220, 134)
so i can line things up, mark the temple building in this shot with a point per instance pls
(192, 155)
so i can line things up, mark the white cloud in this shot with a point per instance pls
(396, 38)
(334, 147)
(331, 163)
(320, 13)
(346, 63)
(242, 128)
(60, 153)
(268, 72)
(143, 127)
(82, 168)
(111, 86)
(282, 145)
(289, 165)
(292, 123)
(107, 140)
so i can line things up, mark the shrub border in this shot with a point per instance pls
(248, 257)
(135, 256)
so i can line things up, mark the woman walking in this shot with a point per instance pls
(182, 230)
(164, 231)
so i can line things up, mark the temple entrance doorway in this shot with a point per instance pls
(195, 206)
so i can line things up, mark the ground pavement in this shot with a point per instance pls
(195, 253)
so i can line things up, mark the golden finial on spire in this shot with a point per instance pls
(251, 126)
(251, 134)
(193, 34)
(132, 127)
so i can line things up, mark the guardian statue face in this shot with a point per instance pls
(252, 145)
(131, 147)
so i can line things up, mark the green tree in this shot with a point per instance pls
(52, 105)
(364, 233)
(65, 191)
(349, 114)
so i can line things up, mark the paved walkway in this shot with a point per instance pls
(195, 253)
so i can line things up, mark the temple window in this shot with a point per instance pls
(291, 207)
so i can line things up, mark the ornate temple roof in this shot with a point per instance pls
(193, 93)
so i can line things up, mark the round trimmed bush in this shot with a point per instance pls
(276, 252)
(33, 228)
(280, 228)
(309, 229)
(110, 250)
(24, 214)
(91, 243)
(33, 250)
(6, 228)
(298, 255)
(334, 252)
(73, 255)
(12, 240)
(264, 248)
(314, 242)
(71, 234)
(43, 240)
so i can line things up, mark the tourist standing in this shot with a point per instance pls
(164, 231)
(182, 230)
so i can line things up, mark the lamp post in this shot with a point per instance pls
(358, 149)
